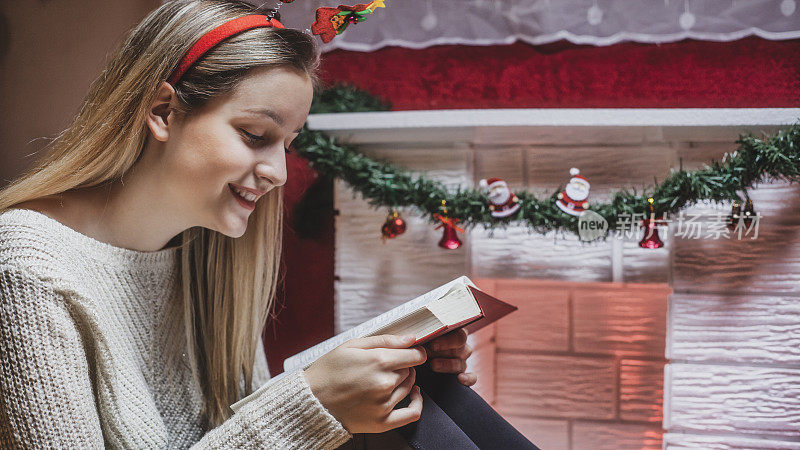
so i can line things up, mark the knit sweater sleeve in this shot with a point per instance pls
(46, 397)
(282, 414)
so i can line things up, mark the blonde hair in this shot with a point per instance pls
(228, 285)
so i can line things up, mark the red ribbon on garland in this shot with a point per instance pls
(447, 221)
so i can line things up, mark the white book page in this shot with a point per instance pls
(308, 356)
(458, 305)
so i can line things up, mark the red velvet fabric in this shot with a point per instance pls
(747, 73)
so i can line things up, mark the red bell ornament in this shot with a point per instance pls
(449, 238)
(651, 239)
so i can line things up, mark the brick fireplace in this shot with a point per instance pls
(580, 365)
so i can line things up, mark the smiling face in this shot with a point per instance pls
(239, 139)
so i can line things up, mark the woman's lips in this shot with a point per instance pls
(245, 203)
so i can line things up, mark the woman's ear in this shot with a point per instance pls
(161, 116)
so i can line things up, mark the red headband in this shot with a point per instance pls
(217, 35)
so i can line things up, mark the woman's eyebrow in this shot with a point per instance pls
(271, 114)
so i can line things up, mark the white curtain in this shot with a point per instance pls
(422, 23)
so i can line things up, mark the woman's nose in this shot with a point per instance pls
(273, 169)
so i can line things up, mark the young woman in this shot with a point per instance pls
(139, 256)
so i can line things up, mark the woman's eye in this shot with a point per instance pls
(251, 137)
(255, 140)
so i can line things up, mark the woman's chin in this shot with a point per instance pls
(236, 233)
(234, 225)
(238, 230)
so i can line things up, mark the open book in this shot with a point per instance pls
(443, 309)
(458, 303)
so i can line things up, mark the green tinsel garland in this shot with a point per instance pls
(382, 184)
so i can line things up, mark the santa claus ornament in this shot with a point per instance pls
(572, 200)
(502, 202)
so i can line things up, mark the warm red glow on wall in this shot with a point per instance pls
(580, 361)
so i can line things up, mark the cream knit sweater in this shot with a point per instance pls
(92, 353)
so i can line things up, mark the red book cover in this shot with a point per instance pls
(492, 309)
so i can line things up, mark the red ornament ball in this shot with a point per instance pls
(398, 226)
(394, 226)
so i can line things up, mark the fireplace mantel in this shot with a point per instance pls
(551, 125)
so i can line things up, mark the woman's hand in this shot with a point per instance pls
(362, 380)
(449, 352)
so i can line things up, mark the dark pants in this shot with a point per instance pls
(453, 417)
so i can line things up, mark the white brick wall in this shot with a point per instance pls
(694, 441)
(734, 333)
(740, 329)
(745, 400)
